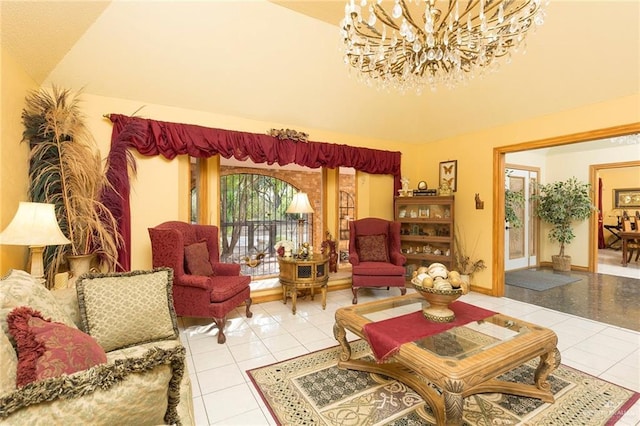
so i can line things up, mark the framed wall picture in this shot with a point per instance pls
(449, 174)
(626, 198)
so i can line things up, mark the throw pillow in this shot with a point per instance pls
(50, 349)
(196, 256)
(128, 308)
(18, 288)
(373, 248)
(8, 365)
(139, 389)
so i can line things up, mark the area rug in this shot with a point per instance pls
(533, 279)
(312, 390)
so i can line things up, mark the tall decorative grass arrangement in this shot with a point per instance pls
(65, 169)
(464, 259)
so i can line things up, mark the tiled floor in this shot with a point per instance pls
(224, 395)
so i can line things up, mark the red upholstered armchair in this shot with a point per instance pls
(203, 287)
(374, 253)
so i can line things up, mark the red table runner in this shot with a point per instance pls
(385, 337)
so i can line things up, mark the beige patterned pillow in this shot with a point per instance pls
(8, 365)
(125, 309)
(18, 288)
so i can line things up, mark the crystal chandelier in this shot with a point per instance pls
(433, 42)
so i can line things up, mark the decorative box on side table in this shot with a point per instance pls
(304, 275)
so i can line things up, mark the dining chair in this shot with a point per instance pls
(630, 224)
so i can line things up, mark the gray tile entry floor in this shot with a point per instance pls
(223, 394)
(610, 299)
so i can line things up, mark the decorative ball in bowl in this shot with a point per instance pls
(439, 301)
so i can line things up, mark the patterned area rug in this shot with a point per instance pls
(311, 390)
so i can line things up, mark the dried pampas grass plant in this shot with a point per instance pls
(65, 169)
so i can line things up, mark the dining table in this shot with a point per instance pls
(627, 237)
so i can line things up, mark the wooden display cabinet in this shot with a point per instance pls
(426, 230)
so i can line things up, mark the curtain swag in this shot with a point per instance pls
(152, 137)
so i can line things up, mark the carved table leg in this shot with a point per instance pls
(341, 336)
(548, 362)
(324, 297)
(294, 296)
(453, 402)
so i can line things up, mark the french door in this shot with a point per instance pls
(521, 242)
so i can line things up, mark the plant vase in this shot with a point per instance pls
(79, 265)
(561, 263)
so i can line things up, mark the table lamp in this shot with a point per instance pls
(34, 225)
(300, 204)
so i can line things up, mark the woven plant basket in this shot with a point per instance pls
(561, 263)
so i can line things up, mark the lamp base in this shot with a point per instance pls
(35, 265)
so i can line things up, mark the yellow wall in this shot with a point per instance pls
(618, 178)
(14, 164)
(474, 153)
(159, 190)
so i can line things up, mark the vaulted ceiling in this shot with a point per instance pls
(281, 62)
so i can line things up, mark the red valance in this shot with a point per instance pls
(152, 137)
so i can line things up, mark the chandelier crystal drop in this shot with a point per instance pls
(409, 44)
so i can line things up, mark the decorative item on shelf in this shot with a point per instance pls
(561, 204)
(328, 247)
(444, 189)
(422, 189)
(408, 47)
(300, 205)
(290, 134)
(34, 225)
(405, 191)
(284, 248)
(305, 251)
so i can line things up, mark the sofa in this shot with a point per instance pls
(106, 352)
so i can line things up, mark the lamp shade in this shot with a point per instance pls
(300, 204)
(34, 224)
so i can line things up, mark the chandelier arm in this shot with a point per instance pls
(409, 18)
(382, 15)
(443, 18)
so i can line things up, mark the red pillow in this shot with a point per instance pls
(50, 349)
(372, 248)
(196, 256)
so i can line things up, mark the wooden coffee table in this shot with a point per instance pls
(462, 361)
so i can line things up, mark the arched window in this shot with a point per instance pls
(253, 219)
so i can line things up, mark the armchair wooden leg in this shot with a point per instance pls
(248, 305)
(220, 322)
(354, 290)
(403, 291)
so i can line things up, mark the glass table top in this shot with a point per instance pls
(456, 343)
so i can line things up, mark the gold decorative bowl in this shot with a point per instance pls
(439, 301)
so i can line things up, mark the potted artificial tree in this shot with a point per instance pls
(560, 204)
(65, 169)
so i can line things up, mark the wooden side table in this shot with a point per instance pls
(304, 274)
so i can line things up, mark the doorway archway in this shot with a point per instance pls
(499, 164)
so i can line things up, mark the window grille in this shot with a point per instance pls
(253, 220)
